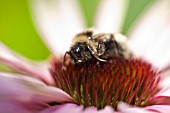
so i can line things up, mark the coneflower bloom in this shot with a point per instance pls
(139, 84)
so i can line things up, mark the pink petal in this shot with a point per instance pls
(160, 100)
(150, 36)
(163, 96)
(57, 21)
(25, 91)
(10, 106)
(125, 108)
(73, 108)
(20, 63)
(110, 15)
(159, 108)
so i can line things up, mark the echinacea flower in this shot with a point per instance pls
(137, 85)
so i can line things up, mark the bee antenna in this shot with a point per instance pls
(64, 59)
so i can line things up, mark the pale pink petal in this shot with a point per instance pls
(159, 108)
(107, 109)
(73, 108)
(109, 15)
(163, 92)
(125, 108)
(19, 63)
(150, 36)
(23, 90)
(64, 108)
(57, 21)
(165, 79)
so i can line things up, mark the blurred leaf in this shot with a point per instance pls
(17, 30)
(88, 9)
(4, 68)
(134, 10)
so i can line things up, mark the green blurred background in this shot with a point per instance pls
(17, 30)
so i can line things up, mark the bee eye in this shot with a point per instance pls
(78, 49)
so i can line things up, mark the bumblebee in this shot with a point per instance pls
(102, 47)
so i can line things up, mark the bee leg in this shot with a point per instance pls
(95, 55)
(64, 59)
(100, 48)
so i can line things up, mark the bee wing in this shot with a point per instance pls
(150, 36)
(57, 21)
(109, 15)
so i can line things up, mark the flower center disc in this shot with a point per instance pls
(132, 81)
